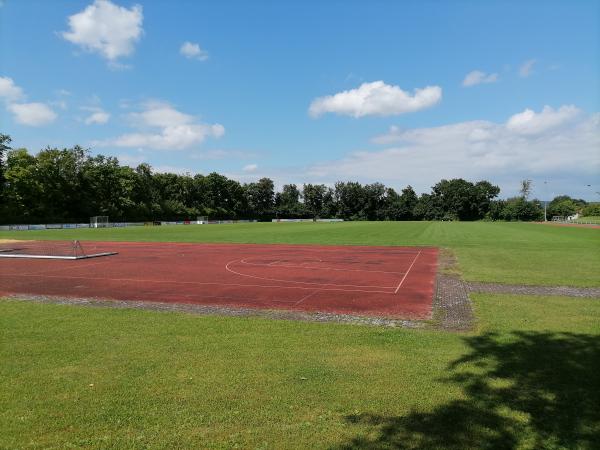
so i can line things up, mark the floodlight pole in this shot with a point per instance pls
(545, 201)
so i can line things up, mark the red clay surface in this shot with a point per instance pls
(395, 282)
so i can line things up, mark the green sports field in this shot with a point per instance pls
(512, 253)
(527, 377)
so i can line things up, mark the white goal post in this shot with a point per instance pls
(99, 222)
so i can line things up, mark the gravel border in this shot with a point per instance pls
(452, 308)
(221, 311)
(561, 291)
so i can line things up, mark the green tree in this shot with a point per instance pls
(261, 197)
(518, 208)
(525, 189)
(60, 176)
(562, 205)
(314, 195)
(428, 208)
(5, 140)
(218, 197)
(485, 193)
(287, 202)
(593, 209)
(108, 188)
(350, 199)
(375, 201)
(330, 208)
(23, 195)
(463, 200)
(406, 204)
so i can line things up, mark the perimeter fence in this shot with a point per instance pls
(58, 226)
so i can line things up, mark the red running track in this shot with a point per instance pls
(395, 282)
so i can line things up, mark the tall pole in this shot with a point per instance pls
(545, 201)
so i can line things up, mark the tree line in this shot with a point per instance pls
(71, 185)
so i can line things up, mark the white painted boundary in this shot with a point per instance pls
(407, 272)
(94, 255)
(344, 286)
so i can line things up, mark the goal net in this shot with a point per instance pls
(47, 250)
(99, 222)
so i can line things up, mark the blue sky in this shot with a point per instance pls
(397, 92)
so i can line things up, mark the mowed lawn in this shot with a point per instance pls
(511, 253)
(527, 377)
(73, 377)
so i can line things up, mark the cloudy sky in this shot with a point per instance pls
(307, 91)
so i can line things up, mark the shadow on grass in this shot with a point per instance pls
(524, 389)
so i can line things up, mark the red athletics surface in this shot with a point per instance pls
(395, 282)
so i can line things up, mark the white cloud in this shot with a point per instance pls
(193, 51)
(9, 91)
(97, 118)
(165, 128)
(526, 68)
(173, 169)
(32, 114)
(223, 154)
(160, 114)
(170, 138)
(131, 160)
(479, 77)
(565, 148)
(529, 122)
(59, 104)
(376, 98)
(106, 28)
(250, 168)
(97, 115)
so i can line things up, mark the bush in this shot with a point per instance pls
(593, 209)
(516, 208)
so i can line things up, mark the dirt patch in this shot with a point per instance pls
(221, 311)
(448, 263)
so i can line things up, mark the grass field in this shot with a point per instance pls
(528, 377)
(512, 253)
(104, 378)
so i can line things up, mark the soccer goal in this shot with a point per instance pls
(47, 250)
(200, 220)
(99, 222)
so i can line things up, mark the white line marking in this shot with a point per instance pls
(318, 268)
(202, 283)
(306, 297)
(299, 282)
(95, 255)
(406, 274)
